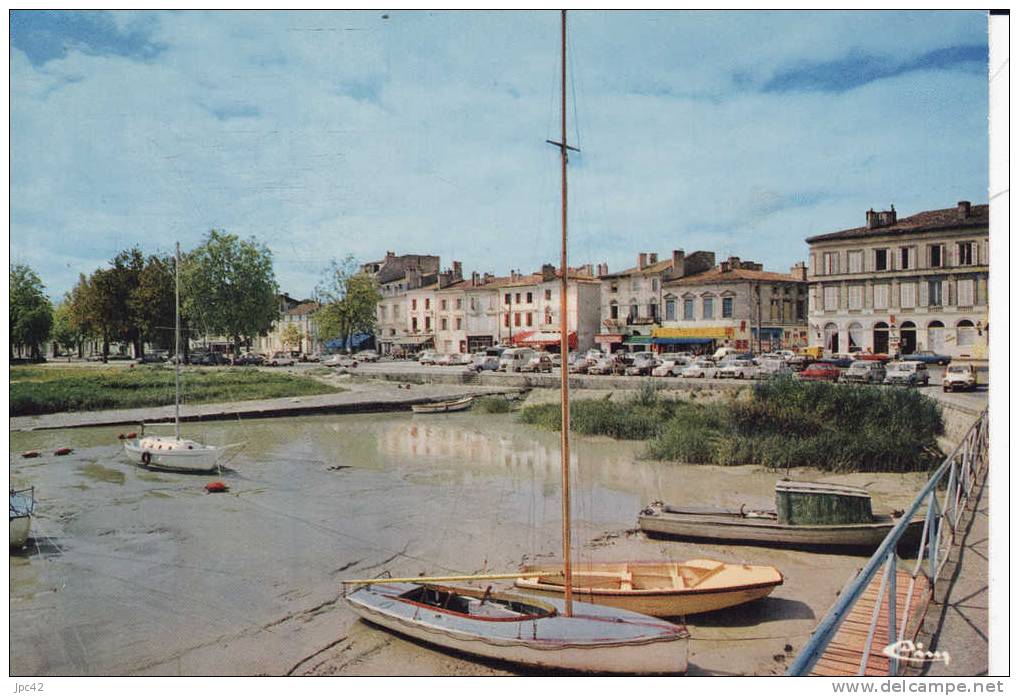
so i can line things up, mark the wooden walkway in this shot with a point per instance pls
(844, 653)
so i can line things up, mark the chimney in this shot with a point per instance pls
(678, 259)
(963, 207)
(587, 269)
(390, 256)
(458, 271)
(474, 278)
(652, 259)
(734, 263)
(724, 266)
(487, 278)
(641, 261)
(547, 272)
(871, 219)
(799, 271)
(445, 279)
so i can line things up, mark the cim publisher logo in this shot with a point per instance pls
(914, 653)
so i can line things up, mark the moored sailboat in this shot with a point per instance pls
(176, 454)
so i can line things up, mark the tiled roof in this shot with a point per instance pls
(302, 309)
(732, 276)
(396, 268)
(659, 267)
(927, 221)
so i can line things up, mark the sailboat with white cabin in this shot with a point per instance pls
(175, 453)
(552, 633)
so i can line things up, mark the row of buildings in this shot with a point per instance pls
(891, 285)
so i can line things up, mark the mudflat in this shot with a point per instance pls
(133, 572)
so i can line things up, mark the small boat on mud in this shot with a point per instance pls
(22, 509)
(525, 631)
(670, 588)
(814, 516)
(461, 404)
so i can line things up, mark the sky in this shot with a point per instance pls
(324, 134)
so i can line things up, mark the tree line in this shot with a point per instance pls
(227, 285)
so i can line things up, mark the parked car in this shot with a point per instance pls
(460, 359)
(484, 362)
(824, 371)
(541, 362)
(843, 360)
(581, 365)
(367, 356)
(340, 360)
(910, 373)
(155, 357)
(428, 357)
(959, 376)
(864, 372)
(602, 366)
(513, 359)
(671, 367)
(643, 363)
(214, 358)
(249, 359)
(738, 369)
(724, 352)
(701, 368)
(280, 358)
(443, 359)
(927, 357)
(773, 367)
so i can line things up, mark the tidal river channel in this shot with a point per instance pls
(133, 572)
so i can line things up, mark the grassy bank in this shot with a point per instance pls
(783, 424)
(35, 391)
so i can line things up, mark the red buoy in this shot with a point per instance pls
(131, 435)
(216, 487)
(30, 454)
(62, 451)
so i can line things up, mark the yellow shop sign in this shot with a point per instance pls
(722, 332)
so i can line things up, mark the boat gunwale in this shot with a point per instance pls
(550, 611)
(675, 592)
(886, 521)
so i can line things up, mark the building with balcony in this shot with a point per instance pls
(736, 304)
(632, 300)
(901, 285)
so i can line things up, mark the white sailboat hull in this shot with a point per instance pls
(171, 454)
(20, 527)
(596, 639)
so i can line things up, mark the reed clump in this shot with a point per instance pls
(784, 423)
(492, 404)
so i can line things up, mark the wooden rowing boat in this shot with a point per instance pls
(669, 588)
(461, 404)
(765, 529)
(526, 631)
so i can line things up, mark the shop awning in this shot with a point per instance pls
(609, 338)
(682, 341)
(543, 339)
(413, 340)
(716, 332)
(638, 340)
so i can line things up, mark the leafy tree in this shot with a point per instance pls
(291, 336)
(31, 315)
(228, 287)
(152, 302)
(65, 333)
(349, 298)
(82, 311)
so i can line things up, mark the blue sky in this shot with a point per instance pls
(324, 134)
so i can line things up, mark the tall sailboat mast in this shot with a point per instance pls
(176, 344)
(564, 350)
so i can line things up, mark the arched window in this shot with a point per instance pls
(965, 333)
(880, 337)
(831, 337)
(907, 338)
(855, 335)
(936, 336)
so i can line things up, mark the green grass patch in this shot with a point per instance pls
(492, 404)
(35, 391)
(784, 423)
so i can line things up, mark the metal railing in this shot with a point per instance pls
(961, 469)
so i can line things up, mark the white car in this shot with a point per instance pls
(959, 376)
(700, 368)
(912, 374)
(281, 358)
(672, 367)
(738, 369)
(367, 356)
(429, 357)
(773, 367)
(460, 359)
(340, 360)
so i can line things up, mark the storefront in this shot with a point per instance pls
(609, 343)
(698, 339)
(635, 344)
(479, 343)
(544, 340)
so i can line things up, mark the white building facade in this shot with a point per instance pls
(898, 286)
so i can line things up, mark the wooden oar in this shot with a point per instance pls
(452, 578)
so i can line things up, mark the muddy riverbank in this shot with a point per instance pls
(132, 572)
